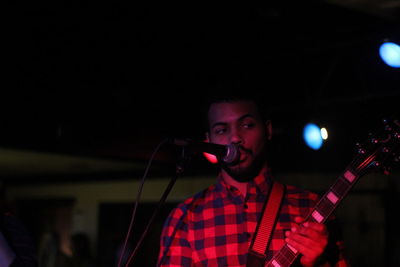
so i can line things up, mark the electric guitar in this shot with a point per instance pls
(379, 152)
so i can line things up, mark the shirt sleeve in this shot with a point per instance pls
(175, 248)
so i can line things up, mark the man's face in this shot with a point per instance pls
(239, 122)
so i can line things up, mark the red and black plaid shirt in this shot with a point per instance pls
(216, 226)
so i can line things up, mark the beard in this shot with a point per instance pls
(246, 173)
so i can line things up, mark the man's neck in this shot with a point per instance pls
(241, 186)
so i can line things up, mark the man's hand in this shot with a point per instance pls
(310, 239)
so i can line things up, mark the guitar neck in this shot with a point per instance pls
(320, 213)
(379, 152)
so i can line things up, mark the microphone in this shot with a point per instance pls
(228, 153)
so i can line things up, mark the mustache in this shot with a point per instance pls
(244, 150)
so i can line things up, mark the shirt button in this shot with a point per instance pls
(246, 206)
(247, 236)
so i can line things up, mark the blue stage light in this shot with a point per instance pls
(312, 136)
(390, 54)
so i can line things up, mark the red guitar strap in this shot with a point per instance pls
(262, 236)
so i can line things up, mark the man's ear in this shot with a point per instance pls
(268, 129)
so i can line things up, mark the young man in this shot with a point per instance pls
(216, 226)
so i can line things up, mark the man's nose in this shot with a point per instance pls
(236, 137)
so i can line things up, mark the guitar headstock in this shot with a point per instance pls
(380, 151)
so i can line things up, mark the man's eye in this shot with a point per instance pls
(220, 131)
(248, 125)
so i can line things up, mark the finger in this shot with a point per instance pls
(318, 227)
(300, 243)
(298, 219)
(297, 234)
(308, 237)
(314, 231)
(314, 225)
(307, 247)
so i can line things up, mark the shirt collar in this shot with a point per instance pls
(260, 184)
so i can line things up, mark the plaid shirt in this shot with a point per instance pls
(215, 227)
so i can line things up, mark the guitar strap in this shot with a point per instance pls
(262, 236)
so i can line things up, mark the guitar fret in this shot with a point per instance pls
(292, 249)
(288, 253)
(340, 187)
(325, 207)
(284, 257)
(311, 219)
(283, 260)
(274, 263)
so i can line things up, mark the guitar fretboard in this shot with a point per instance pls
(324, 208)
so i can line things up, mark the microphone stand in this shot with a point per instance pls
(180, 167)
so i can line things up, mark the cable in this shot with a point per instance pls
(179, 171)
(139, 193)
(155, 213)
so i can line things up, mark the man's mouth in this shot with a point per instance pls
(243, 155)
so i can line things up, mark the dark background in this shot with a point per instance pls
(112, 79)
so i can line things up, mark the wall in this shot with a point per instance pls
(365, 214)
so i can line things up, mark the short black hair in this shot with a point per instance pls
(234, 92)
